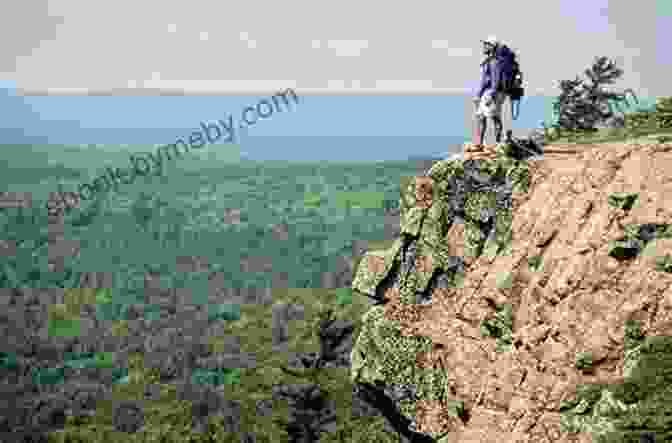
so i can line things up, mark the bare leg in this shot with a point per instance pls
(498, 128)
(483, 122)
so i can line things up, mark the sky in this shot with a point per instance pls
(323, 47)
(388, 68)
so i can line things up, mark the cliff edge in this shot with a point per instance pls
(527, 299)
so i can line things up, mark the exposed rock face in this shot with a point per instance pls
(556, 259)
(419, 265)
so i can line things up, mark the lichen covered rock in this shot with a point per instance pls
(382, 355)
(475, 193)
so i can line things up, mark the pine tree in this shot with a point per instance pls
(584, 104)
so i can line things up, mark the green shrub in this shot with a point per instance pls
(534, 262)
(664, 263)
(584, 360)
(622, 200)
(500, 327)
(632, 334)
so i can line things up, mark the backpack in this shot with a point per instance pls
(511, 77)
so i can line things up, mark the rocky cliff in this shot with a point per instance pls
(528, 298)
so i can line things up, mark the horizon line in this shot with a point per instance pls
(299, 91)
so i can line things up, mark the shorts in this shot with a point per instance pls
(491, 104)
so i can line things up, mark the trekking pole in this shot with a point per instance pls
(515, 115)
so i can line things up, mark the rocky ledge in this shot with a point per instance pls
(528, 298)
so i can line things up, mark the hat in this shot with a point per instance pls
(491, 40)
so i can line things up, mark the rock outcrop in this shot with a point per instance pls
(503, 309)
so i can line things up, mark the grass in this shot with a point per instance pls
(613, 135)
(364, 199)
(343, 296)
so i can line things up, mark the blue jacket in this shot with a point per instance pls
(494, 69)
(487, 68)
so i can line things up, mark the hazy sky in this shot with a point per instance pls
(326, 47)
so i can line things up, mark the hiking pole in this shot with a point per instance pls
(515, 116)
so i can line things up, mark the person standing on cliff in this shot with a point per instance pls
(490, 96)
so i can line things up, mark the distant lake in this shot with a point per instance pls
(317, 128)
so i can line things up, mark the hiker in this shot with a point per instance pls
(499, 74)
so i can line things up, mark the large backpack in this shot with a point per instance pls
(511, 77)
